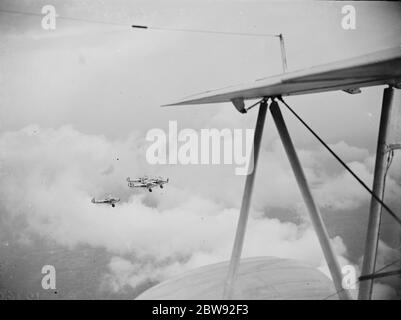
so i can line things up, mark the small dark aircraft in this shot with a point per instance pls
(108, 200)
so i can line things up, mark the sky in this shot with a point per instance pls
(77, 102)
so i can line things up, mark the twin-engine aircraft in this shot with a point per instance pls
(142, 182)
(108, 200)
(146, 182)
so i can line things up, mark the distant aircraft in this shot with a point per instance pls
(108, 200)
(159, 181)
(141, 179)
(146, 182)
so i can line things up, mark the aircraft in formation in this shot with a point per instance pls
(142, 182)
(146, 182)
(108, 200)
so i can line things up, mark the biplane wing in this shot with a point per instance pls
(378, 68)
(382, 67)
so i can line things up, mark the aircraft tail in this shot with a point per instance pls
(128, 179)
(93, 200)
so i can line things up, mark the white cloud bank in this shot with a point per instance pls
(48, 176)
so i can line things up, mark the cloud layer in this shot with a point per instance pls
(48, 177)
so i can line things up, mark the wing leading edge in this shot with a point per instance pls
(382, 67)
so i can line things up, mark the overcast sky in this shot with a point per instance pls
(76, 104)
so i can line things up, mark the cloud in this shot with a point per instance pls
(125, 273)
(48, 177)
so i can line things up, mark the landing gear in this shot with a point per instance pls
(113, 205)
(150, 190)
(161, 186)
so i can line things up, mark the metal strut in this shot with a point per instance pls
(372, 236)
(283, 54)
(246, 201)
(314, 213)
(346, 167)
(377, 203)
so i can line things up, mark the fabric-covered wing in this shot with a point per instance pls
(140, 185)
(382, 67)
